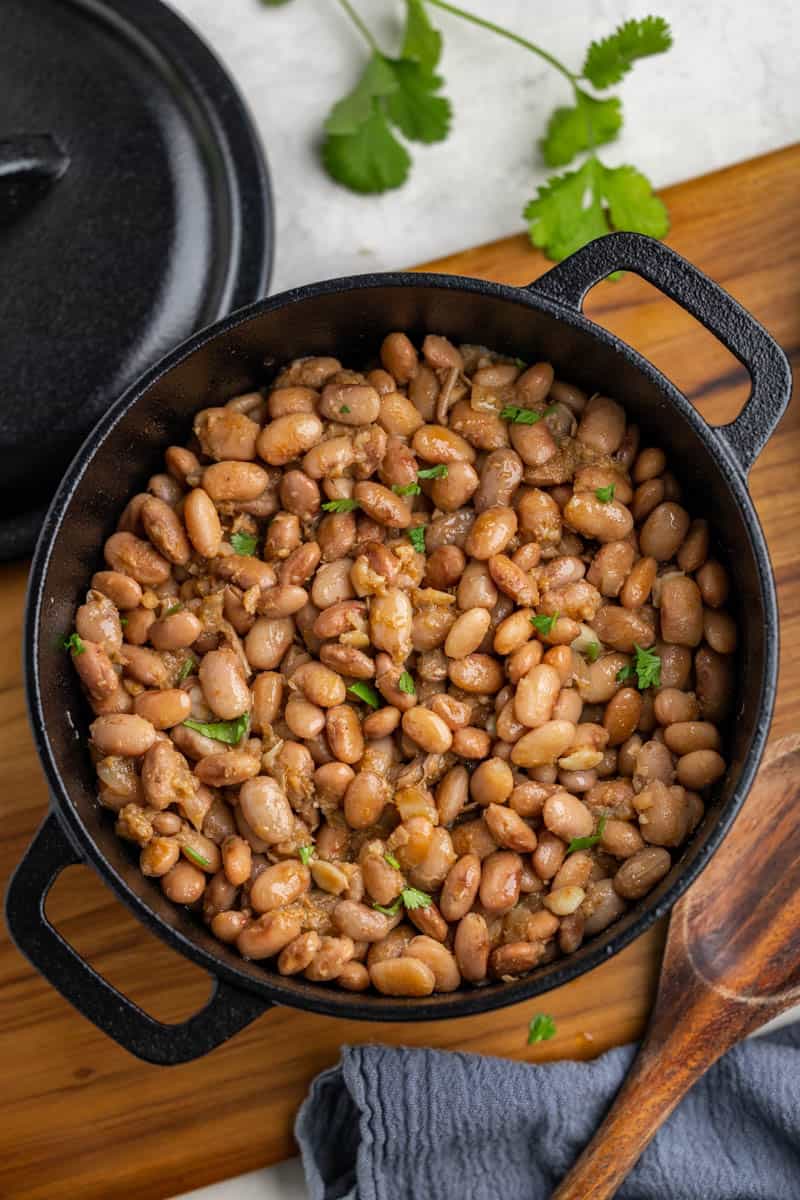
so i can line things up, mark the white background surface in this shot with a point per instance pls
(726, 91)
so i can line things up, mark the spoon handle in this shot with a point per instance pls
(655, 1084)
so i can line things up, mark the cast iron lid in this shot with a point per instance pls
(134, 209)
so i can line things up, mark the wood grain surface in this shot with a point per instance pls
(83, 1118)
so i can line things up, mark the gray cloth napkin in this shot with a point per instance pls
(398, 1124)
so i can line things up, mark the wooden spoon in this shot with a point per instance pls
(731, 963)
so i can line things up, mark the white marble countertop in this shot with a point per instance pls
(725, 92)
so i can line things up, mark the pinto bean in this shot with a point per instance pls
(122, 733)
(500, 477)
(536, 695)
(129, 555)
(383, 505)
(544, 744)
(438, 444)
(279, 885)
(640, 873)
(123, 591)
(605, 522)
(289, 437)
(471, 947)
(224, 685)
(500, 881)
(681, 611)
(700, 768)
(663, 532)
(602, 425)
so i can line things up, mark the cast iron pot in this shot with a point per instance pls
(348, 318)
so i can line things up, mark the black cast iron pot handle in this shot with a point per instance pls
(228, 1009)
(770, 374)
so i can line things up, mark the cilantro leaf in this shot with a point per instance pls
(414, 106)
(543, 623)
(414, 898)
(406, 684)
(365, 692)
(173, 608)
(541, 1028)
(648, 668)
(391, 860)
(593, 651)
(437, 472)
(340, 506)
(605, 494)
(578, 206)
(410, 897)
(370, 158)
(631, 203)
(408, 489)
(417, 538)
(607, 61)
(230, 732)
(584, 843)
(421, 41)
(589, 123)
(524, 416)
(305, 853)
(357, 108)
(244, 543)
(74, 644)
(565, 214)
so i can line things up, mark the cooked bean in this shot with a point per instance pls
(509, 829)
(404, 976)
(343, 731)
(663, 532)
(471, 947)
(224, 685)
(492, 782)
(163, 709)
(123, 734)
(622, 628)
(123, 591)
(268, 641)
(129, 555)
(439, 959)
(602, 425)
(287, 438)
(663, 813)
(500, 880)
(534, 444)
(712, 579)
(268, 935)
(567, 817)
(641, 872)
(183, 883)
(681, 611)
(719, 630)
(279, 885)
(622, 714)
(490, 534)
(699, 768)
(467, 633)
(499, 479)
(605, 522)
(536, 695)
(544, 744)
(601, 906)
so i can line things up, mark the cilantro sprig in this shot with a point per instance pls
(230, 732)
(74, 644)
(410, 898)
(417, 538)
(605, 494)
(305, 854)
(646, 667)
(406, 684)
(400, 97)
(541, 1028)
(361, 149)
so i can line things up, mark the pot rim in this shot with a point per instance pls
(365, 1006)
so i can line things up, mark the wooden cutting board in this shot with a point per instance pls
(83, 1118)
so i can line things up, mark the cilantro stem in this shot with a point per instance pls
(506, 33)
(360, 26)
